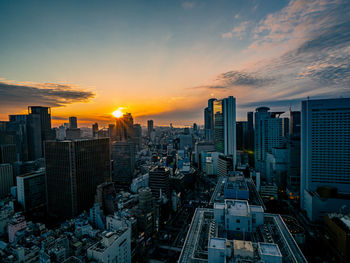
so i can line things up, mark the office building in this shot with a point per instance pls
(234, 231)
(149, 127)
(137, 136)
(25, 132)
(285, 127)
(225, 165)
(159, 181)
(105, 196)
(94, 130)
(224, 112)
(73, 134)
(8, 153)
(6, 179)
(267, 135)
(250, 131)
(123, 156)
(15, 132)
(294, 123)
(44, 115)
(75, 168)
(337, 238)
(185, 141)
(241, 133)
(146, 215)
(73, 123)
(31, 191)
(114, 247)
(17, 223)
(277, 167)
(124, 127)
(325, 156)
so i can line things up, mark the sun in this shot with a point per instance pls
(118, 113)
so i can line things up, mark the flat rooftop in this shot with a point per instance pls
(217, 243)
(269, 249)
(237, 207)
(273, 232)
(218, 194)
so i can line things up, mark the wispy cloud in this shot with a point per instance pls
(238, 31)
(45, 94)
(188, 5)
(310, 43)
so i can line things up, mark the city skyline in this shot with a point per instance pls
(163, 60)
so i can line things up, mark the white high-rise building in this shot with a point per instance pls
(325, 153)
(268, 135)
(225, 126)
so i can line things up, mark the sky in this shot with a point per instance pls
(163, 60)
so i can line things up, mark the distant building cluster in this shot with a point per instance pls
(229, 191)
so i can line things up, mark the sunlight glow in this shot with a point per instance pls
(118, 113)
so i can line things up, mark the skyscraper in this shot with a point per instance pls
(225, 126)
(43, 115)
(94, 130)
(124, 127)
(149, 127)
(250, 130)
(267, 135)
(325, 153)
(209, 120)
(123, 156)
(73, 171)
(137, 136)
(294, 123)
(73, 123)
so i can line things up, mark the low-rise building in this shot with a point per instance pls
(114, 247)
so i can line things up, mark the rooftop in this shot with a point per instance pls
(269, 249)
(273, 238)
(217, 243)
(237, 207)
(254, 197)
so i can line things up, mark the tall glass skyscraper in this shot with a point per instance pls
(224, 112)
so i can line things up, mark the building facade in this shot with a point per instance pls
(75, 168)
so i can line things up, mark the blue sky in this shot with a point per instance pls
(164, 59)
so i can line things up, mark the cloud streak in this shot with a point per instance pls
(45, 94)
(311, 44)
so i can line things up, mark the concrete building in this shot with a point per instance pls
(277, 166)
(337, 228)
(267, 135)
(6, 179)
(31, 190)
(159, 181)
(235, 231)
(325, 155)
(225, 165)
(238, 216)
(76, 168)
(73, 134)
(114, 247)
(17, 223)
